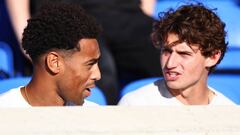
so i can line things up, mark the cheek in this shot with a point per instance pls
(163, 60)
(76, 77)
(78, 74)
(78, 84)
(193, 67)
(80, 79)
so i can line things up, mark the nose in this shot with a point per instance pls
(172, 61)
(96, 75)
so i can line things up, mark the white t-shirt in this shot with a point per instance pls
(14, 98)
(157, 94)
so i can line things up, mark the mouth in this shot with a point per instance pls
(87, 92)
(171, 75)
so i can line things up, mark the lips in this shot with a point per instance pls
(87, 92)
(171, 75)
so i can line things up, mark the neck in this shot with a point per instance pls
(38, 95)
(191, 96)
(42, 89)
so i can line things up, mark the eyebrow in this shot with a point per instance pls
(173, 43)
(166, 48)
(179, 42)
(94, 60)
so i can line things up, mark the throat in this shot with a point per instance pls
(193, 100)
(194, 97)
(34, 98)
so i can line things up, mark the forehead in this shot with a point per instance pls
(174, 42)
(171, 38)
(89, 46)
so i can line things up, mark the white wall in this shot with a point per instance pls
(186, 120)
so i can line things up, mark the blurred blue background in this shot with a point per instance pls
(226, 78)
(228, 11)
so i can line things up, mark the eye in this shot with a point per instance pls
(91, 63)
(184, 53)
(166, 51)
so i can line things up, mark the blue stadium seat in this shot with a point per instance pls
(10, 83)
(6, 59)
(226, 9)
(231, 59)
(97, 96)
(228, 85)
(7, 84)
(137, 84)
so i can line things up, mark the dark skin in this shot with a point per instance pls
(64, 76)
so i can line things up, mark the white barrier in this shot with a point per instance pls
(195, 120)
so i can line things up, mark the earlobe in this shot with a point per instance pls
(212, 60)
(53, 62)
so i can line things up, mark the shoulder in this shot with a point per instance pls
(89, 103)
(220, 99)
(86, 103)
(10, 93)
(12, 98)
(142, 96)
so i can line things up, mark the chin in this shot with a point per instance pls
(173, 85)
(81, 102)
(78, 103)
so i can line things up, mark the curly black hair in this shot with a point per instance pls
(57, 26)
(194, 24)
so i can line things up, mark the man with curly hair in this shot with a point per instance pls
(192, 42)
(61, 41)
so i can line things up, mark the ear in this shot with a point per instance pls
(54, 62)
(212, 60)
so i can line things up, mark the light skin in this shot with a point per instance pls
(64, 76)
(148, 6)
(185, 71)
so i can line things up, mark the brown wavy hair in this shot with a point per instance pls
(194, 24)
